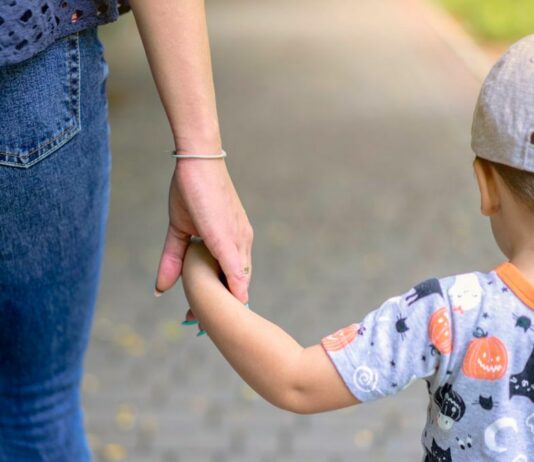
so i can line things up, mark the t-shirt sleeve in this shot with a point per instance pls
(401, 341)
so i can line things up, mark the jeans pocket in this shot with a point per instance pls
(40, 103)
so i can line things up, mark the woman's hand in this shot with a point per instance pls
(202, 198)
(203, 202)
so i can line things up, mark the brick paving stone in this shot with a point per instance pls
(261, 441)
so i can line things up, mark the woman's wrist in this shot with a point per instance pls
(200, 142)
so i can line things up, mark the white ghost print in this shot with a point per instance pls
(466, 293)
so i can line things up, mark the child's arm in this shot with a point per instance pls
(302, 380)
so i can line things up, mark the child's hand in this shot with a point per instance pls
(198, 263)
(201, 273)
(199, 267)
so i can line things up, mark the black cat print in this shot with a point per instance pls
(522, 384)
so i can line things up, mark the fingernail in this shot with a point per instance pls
(193, 322)
(201, 332)
(157, 292)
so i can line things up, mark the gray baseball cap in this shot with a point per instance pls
(503, 122)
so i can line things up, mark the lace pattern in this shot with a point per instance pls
(29, 26)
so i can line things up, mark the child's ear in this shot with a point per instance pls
(490, 201)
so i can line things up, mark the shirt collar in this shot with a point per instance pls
(518, 283)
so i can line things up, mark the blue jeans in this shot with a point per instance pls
(54, 190)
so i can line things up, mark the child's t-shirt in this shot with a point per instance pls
(471, 338)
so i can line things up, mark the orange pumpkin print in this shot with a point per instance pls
(439, 331)
(340, 339)
(486, 357)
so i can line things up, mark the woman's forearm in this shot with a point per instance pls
(175, 38)
(202, 198)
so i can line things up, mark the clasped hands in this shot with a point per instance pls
(203, 202)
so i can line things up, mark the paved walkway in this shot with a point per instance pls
(347, 126)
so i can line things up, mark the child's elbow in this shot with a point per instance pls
(295, 403)
(305, 402)
(290, 400)
(304, 410)
(300, 402)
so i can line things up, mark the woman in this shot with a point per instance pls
(54, 188)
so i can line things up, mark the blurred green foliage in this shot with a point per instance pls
(494, 20)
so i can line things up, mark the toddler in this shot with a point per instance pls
(470, 336)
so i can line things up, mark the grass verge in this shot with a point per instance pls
(494, 21)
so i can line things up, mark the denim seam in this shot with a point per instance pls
(31, 151)
(49, 146)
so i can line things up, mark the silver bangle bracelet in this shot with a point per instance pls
(198, 156)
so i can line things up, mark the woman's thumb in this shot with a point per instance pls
(170, 264)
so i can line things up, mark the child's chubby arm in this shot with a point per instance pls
(297, 379)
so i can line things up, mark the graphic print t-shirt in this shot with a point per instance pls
(471, 338)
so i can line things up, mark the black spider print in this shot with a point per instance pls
(485, 315)
(393, 364)
(362, 329)
(423, 358)
(523, 322)
(504, 289)
(401, 326)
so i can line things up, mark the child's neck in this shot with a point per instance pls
(524, 261)
(520, 237)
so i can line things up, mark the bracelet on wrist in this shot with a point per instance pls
(221, 155)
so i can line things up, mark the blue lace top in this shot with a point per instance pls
(29, 26)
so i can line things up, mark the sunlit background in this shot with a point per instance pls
(347, 128)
